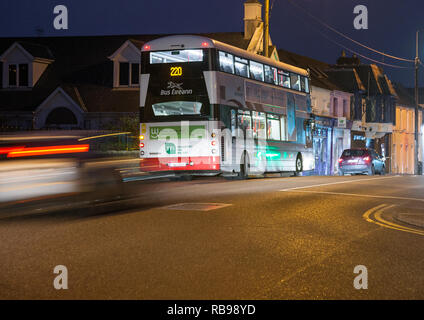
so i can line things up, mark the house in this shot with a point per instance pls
(331, 112)
(68, 82)
(403, 139)
(373, 107)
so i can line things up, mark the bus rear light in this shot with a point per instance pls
(141, 137)
(141, 145)
(141, 153)
(213, 143)
(213, 151)
(146, 47)
(205, 44)
(340, 160)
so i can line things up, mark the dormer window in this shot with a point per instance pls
(23, 65)
(18, 75)
(129, 74)
(126, 66)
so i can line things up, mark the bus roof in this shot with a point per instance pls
(179, 42)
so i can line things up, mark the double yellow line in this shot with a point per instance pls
(374, 215)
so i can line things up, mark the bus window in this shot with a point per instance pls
(306, 85)
(176, 56)
(295, 81)
(256, 71)
(233, 122)
(283, 122)
(259, 125)
(172, 108)
(226, 62)
(269, 74)
(244, 120)
(273, 127)
(283, 79)
(241, 67)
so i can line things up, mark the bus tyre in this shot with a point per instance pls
(244, 166)
(299, 165)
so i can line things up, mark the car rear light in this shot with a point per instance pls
(367, 159)
(340, 160)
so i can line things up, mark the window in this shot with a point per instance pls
(306, 85)
(23, 75)
(135, 73)
(18, 75)
(176, 108)
(241, 67)
(295, 81)
(270, 74)
(256, 71)
(244, 120)
(129, 74)
(283, 122)
(283, 79)
(226, 62)
(124, 73)
(303, 84)
(12, 75)
(176, 56)
(273, 127)
(259, 125)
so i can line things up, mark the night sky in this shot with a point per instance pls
(392, 24)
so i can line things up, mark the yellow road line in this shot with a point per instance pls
(378, 211)
(358, 195)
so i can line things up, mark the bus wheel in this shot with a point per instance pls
(299, 165)
(244, 166)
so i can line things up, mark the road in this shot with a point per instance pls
(273, 238)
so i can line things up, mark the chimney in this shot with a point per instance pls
(252, 17)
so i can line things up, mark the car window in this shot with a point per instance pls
(353, 153)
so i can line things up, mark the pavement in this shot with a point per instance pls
(210, 238)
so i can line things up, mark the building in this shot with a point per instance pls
(331, 112)
(373, 107)
(403, 138)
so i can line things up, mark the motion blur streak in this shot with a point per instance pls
(37, 151)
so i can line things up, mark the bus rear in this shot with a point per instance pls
(177, 128)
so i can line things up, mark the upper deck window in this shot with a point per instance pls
(295, 81)
(270, 75)
(283, 79)
(176, 56)
(241, 67)
(256, 71)
(226, 62)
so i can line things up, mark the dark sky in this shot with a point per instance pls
(392, 23)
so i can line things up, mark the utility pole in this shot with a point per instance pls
(266, 29)
(417, 60)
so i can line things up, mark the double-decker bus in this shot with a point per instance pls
(209, 108)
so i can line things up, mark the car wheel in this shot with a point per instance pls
(299, 165)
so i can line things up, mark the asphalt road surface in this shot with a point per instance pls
(273, 238)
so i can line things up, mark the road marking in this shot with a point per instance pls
(377, 213)
(359, 195)
(195, 206)
(339, 182)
